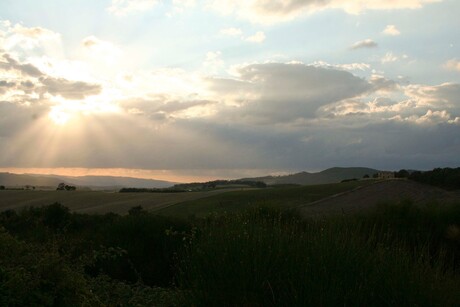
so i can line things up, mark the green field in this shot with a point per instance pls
(282, 197)
(182, 205)
(96, 201)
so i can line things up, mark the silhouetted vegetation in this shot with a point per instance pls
(402, 174)
(152, 190)
(2, 187)
(400, 254)
(199, 186)
(349, 180)
(220, 184)
(65, 187)
(447, 178)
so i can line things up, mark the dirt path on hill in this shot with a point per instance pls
(368, 197)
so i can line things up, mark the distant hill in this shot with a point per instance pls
(331, 175)
(111, 181)
(14, 180)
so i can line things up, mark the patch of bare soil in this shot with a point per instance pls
(381, 192)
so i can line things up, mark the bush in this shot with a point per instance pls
(149, 251)
(34, 276)
(264, 259)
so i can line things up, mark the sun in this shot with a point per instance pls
(59, 117)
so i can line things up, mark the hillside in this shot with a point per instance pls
(111, 181)
(20, 180)
(16, 180)
(331, 175)
(367, 197)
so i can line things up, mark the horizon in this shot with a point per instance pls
(199, 90)
(162, 174)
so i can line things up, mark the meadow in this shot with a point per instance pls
(281, 197)
(96, 202)
(257, 250)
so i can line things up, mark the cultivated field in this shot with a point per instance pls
(368, 197)
(97, 201)
(337, 198)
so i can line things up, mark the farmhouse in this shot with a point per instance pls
(385, 175)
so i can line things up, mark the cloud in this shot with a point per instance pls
(28, 39)
(258, 37)
(27, 69)
(367, 43)
(276, 92)
(381, 83)
(231, 31)
(391, 30)
(69, 89)
(30, 82)
(446, 95)
(125, 7)
(272, 11)
(163, 107)
(213, 62)
(101, 50)
(349, 66)
(389, 57)
(452, 64)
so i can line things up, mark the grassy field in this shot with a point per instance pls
(241, 248)
(175, 204)
(97, 201)
(282, 197)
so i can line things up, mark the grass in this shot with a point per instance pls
(399, 254)
(96, 201)
(264, 258)
(283, 197)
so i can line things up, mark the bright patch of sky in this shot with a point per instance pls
(283, 85)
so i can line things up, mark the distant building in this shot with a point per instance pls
(385, 175)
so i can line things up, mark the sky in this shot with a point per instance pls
(205, 89)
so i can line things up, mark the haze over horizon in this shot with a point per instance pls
(204, 89)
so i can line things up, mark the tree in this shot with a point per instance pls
(70, 188)
(2, 187)
(402, 174)
(64, 187)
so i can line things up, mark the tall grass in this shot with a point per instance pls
(263, 258)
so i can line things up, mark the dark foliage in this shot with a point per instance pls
(447, 178)
(219, 183)
(398, 255)
(153, 190)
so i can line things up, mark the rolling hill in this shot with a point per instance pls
(331, 175)
(95, 182)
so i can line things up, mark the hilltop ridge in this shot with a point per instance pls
(330, 175)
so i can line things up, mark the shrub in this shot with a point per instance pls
(264, 259)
